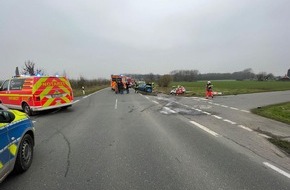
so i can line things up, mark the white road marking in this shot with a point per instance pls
(75, 101)
(277, 169)
(116, 104)
(155, 102)
(218, 117)
(170, 110)
(263, 135)
(147, 97)
(229, 121)
(85, 97)
(234, 108)
(164, 112)
(246, 111)
(246, 128)
(206, 113)
(204, 128)
(198, 110)
(224, 106)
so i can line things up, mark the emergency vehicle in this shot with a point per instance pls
(36, 93)
(116, 78)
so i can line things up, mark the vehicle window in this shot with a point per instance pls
(16, 84)
(4, 86)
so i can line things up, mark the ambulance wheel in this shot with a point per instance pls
(24, 155)
(27, 109)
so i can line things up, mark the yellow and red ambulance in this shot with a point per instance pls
(36, 93)
(116, 78)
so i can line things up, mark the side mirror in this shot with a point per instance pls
(6, 116)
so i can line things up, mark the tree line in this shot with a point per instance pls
(195, 75)
(162, 80)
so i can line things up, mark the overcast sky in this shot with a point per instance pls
(94, 38)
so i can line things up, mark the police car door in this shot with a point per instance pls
(4, 151)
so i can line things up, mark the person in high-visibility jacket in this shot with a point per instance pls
(208, 90)
(115, 87)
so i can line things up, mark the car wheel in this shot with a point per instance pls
(24, 155)
(27, 109)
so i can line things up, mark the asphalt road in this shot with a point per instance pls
(131, 141)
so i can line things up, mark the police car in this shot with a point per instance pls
(17, 141)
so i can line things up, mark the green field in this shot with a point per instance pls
(229, 87)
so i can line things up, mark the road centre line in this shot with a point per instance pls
(277, 169)
(234, 108)
(116, 104)
(204, 128)
(224, 106)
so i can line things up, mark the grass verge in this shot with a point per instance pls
(284, 145)
(279, 112)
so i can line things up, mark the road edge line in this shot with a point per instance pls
(277, 169)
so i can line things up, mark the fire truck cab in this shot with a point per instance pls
(36, 93)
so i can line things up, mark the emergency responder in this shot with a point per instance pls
(136, 87)
(115, 87)
(209, 90)
(127, 87)
(120, 87)
(83, 89)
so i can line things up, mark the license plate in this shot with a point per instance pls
(56, 95)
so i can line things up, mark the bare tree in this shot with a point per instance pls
(29, 69)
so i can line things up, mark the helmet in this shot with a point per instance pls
(208, 82)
